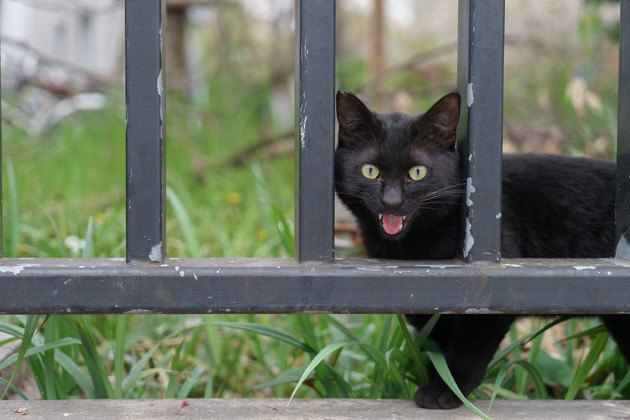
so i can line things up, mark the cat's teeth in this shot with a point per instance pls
(380, 217)
(404, 218)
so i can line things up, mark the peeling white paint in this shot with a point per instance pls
(481, 311)
(160, 84)
(623, 249)
(369, 268)
(512, 265)
(608, 272)
(195, 276)
(303, 131)
(156, 252)
(584, 267)
(469, 241)
(470, 156)
(15, 269)
(140, 311)
(182, 273)
(160, 90)
(471, 95)
(498, 216)
(470, 189)
(68, 310)
(439, 266)
(177, 268)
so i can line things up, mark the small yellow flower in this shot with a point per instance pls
(234, 198)
(100, 218)
(261, 235)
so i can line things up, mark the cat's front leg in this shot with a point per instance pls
(474, 340)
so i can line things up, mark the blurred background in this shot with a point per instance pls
(229, 119)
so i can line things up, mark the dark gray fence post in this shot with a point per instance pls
(144, 83)
(1, 194)
(622, 210)
(480, 82)
(315, 129)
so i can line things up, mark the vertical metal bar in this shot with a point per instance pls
(1, 193)
(144, 81)
(480, 82)
(315, 129)
(622, 208)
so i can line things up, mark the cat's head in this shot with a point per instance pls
(395, 171)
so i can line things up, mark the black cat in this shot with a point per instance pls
(401, 177)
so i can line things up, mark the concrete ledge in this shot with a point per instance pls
(254, 408)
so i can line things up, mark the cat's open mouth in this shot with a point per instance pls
(392, 224)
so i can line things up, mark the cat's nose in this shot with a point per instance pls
(392, 196)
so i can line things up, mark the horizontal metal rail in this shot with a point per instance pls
(524, 286)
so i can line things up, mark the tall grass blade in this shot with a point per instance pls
(416, 357)
(599, 329)
(502, 353)
(182, 216)
(82, 381)
(269, 332)
(102, 387)
(29, 331)
(623, 384)
(119, 354)
(287, 377)
(597, 346)
(319, 357)
(497, 383)
(539, 384)
(62, 342)
(12, 387)
(195, 379)
(439, 362)
(88, 250)
(14, 213)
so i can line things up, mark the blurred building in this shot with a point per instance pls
(83, 33)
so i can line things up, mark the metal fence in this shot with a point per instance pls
(147, 281)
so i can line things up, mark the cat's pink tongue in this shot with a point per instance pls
(392, 224)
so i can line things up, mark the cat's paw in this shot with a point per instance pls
(436, 395)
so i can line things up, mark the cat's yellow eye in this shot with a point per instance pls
(369, 171)
(418, 172)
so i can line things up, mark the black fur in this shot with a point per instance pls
(553, 207)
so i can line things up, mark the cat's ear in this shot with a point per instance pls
(353, 117)
(439, 124)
